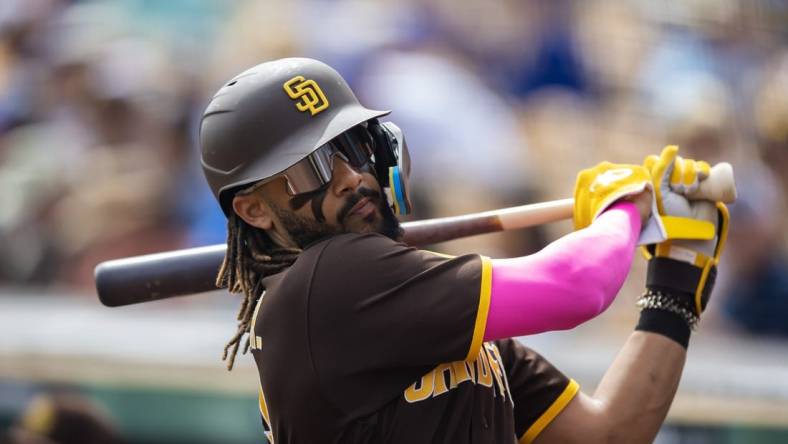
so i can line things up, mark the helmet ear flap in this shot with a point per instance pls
(392, 164)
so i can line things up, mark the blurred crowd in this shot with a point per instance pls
(62, 416)
(502, 102)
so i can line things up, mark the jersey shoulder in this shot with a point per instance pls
(370, 252)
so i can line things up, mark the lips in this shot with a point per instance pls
(362, 208)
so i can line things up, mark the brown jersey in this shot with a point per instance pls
(366, 340)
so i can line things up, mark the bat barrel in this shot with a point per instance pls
(432, 231)
(156, 276)
(178, 273)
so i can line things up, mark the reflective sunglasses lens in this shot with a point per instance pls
(310, 173)
(354, 146)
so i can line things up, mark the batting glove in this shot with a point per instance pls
(683, 268)
(599, 187)
(680, 277)
(673, 179)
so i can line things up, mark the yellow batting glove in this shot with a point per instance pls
(685, 264)
(598, 187)
(673, 178)
(680, 277)
(685, 175)
(687, 268)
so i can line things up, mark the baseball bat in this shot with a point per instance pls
(157, 276)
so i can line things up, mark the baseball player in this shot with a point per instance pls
(360, 338)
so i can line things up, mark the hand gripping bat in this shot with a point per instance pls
(182, 272)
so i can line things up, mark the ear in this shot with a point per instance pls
(253, 210)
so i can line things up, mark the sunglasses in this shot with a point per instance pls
(355, 146)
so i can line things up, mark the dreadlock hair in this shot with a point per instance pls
(251, 256)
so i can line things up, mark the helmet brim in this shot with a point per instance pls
(296, 148)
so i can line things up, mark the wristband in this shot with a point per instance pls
(668, 302)
(665, 315)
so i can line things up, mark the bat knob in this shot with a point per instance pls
(719, 186)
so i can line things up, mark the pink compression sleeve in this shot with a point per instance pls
(567, 283)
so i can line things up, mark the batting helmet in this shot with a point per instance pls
(270, 117)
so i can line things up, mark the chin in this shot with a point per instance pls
(383, 221)
(369, 224)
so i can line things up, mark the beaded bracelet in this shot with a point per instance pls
(661, 301)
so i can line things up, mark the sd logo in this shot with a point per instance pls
(609, 177)
(312, 97)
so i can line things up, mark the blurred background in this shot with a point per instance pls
(502, 103)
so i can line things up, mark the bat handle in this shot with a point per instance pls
(719, 186)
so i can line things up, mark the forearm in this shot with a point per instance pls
(569, 282)
(630, 403)
(633, 397)
(637, 390)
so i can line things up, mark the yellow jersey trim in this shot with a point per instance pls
(443, 255)
(260, 396)
(254, 315)
(484, 308)
(547, 417)
(264, 412)
(255, 341)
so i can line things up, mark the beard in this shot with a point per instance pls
(305, 231)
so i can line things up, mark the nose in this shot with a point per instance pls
(344, 177)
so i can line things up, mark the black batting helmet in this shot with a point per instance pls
(271, 116)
